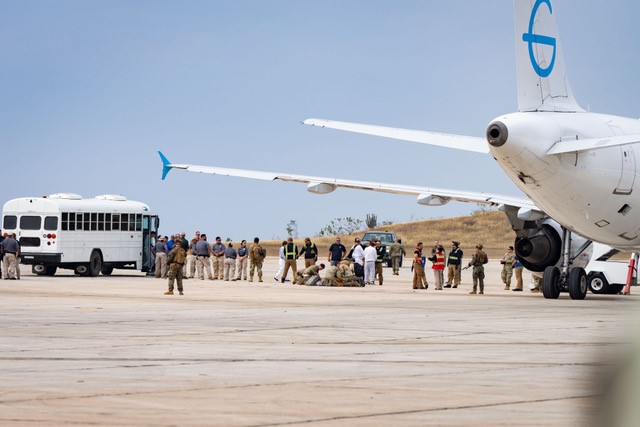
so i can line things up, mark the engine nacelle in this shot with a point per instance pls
(431, 200)
(320, 187)
(543, 248)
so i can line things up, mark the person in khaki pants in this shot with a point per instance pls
(290, 256)
(242, 261)
(418, 269)
(517, 270)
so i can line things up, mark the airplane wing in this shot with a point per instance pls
(578, 145)
(322, 185)
(460, 142)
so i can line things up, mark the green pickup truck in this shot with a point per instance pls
(386, 238)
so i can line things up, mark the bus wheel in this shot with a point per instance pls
(38, 269)
(80, 270)
(95, 264)
(107, 269)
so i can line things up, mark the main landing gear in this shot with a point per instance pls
(570, 279)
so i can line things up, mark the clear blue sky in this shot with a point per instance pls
(91, 89)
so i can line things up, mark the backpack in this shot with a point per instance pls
(180, 257)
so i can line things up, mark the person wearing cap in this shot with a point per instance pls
(310, 252)
(396, 252)
(507, 268)
(230, 255)
(454, 264)
(478, 260)
(418, 268)
(161, 250)
(176, 260)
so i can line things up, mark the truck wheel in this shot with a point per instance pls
(598, 283)
(107, 269)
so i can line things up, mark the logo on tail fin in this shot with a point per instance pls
(532, 38)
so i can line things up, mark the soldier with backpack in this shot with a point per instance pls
(256, 257)
(176, 260)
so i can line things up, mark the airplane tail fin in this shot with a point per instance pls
(166, 165)
(542, 78)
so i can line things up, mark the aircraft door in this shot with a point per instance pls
(627, 171)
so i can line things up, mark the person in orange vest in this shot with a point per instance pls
(438, 266)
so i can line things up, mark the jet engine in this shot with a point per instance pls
(320, 187)
(539, 243)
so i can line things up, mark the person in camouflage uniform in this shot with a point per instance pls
(176, 260)
(256, 257)
(507, 268)
(396, 252)
(346, 276)
(307, 273)
(478, 260)
(330, 275)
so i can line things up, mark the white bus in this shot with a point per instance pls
(89, 236)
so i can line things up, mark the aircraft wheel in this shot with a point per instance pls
(577, 283)
(550, 279)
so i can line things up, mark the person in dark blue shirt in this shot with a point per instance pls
(336, 252)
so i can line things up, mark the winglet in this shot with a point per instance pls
(166, 165)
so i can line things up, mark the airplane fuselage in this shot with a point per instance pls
(571, 187)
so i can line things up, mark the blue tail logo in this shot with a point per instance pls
(532, 38)
(166, 165)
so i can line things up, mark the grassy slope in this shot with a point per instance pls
(491, 228)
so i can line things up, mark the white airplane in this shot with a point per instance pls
(577, 168)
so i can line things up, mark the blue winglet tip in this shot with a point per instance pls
(166, 165)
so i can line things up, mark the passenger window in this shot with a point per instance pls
(51, 223)
(10, 222)
(29, 222)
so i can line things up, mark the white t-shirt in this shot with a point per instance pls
(358, 255)
(281, 253)
(370, 254)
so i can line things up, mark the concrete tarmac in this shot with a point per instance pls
(116, 351)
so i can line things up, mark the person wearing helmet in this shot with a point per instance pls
(478, 260)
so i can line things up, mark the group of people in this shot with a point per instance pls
(362, 265)
(177, 258)
(10, 252)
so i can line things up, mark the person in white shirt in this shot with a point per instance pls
(357, 255)
(281, 258)
(370, 255)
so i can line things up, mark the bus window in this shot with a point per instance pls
(100, 222)
(10, 222)
(94, 221)
(79, 221)
(28, 222)
(124, 222)
(107, 222)
(86, 222)
(32, 242)
(51, 223)
(138, 222)
(116, 222)
(72, 221)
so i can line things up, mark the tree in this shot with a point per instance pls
(337, 226)
(371, 220)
